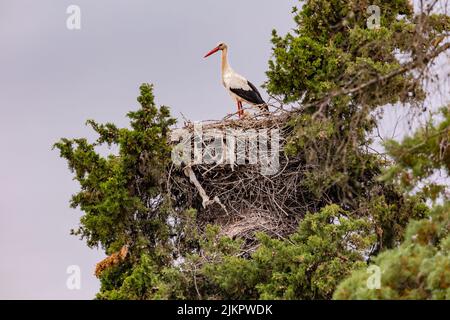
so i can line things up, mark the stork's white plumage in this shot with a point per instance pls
(240, 89)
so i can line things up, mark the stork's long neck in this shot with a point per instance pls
(225, 66)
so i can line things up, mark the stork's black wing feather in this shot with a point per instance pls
(252, 95)
(261, 101)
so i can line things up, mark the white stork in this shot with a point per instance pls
(240, 89)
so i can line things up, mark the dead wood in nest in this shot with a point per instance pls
(240, 196)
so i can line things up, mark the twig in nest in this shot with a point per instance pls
(206, 201)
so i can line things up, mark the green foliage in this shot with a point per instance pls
(308, 265)
(418, 269)
(332, 46)
(326, 248)
(331, 50)
(146, 280)
(327, 66)
(115, 190)
(421, 155)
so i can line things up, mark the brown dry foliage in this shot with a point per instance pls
(112, 260)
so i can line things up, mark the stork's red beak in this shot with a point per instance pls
(212, 52)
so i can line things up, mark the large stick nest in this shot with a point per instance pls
(240, 198)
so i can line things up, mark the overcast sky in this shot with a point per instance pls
(53, 79)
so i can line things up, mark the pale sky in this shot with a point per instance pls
(52, 80)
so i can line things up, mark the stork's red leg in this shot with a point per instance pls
(241, 111)
(239, 106)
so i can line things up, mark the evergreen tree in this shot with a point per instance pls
(419, 267)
